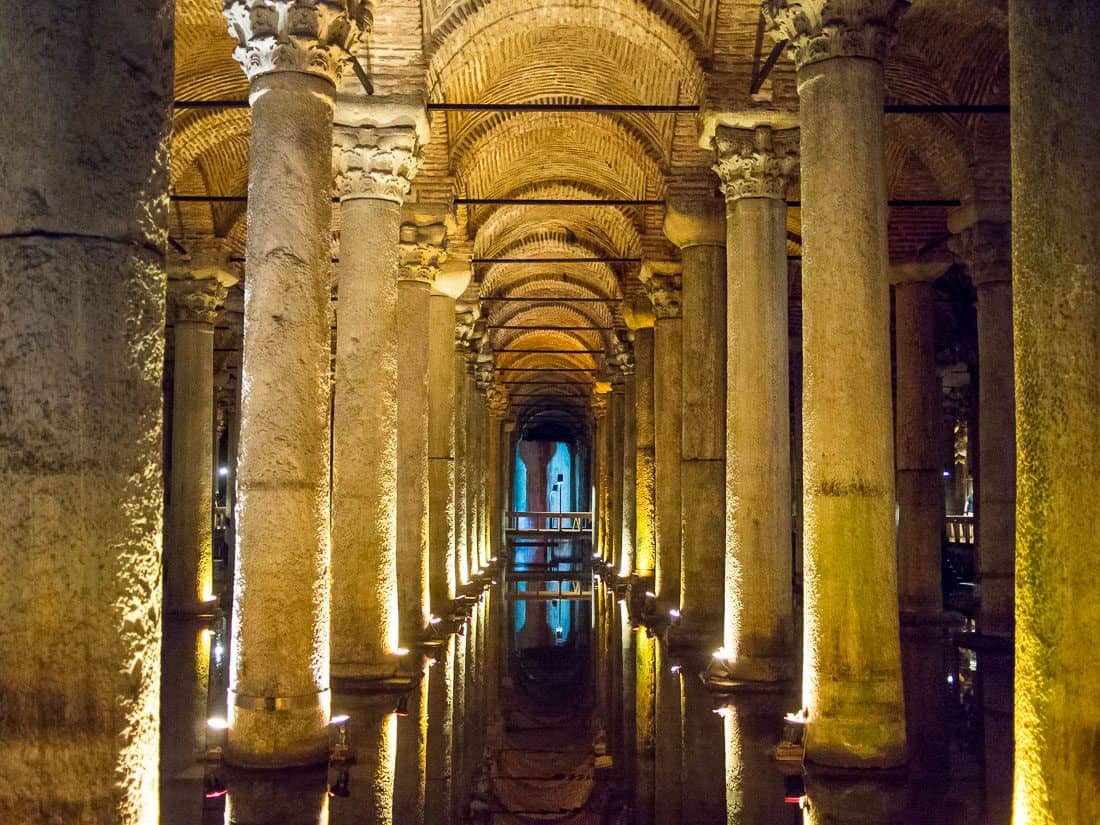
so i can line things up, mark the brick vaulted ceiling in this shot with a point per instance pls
(653, 53)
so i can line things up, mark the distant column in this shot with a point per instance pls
(641, 319)
(629, 440)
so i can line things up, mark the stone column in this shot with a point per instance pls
(663, 281)
(629, 440)
(422, 253)
(755, 166)
(986, 249)
(481, 426)
(852, 688)
(497, 402)
(449, 284)
(374, 164)
(470, 431)
(616, 465)
(640, 318)
(601, 404)
(82, 286)
(279, 679)
(463, 324)
(197, 288)
(918, 441)
(1056, 305)
(697, 226)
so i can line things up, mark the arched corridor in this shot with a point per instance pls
(486, 412)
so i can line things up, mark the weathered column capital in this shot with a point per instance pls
(453, 277)
(638, 312)
(197, 301)
(918, 271)
(755, 163)
(497, 399)
(465, 318)
(311, 36)
(823, 29)
(986, 249)
(663, 281)
(695, 220)
(421, 252)
(601, 396)
(373, 162)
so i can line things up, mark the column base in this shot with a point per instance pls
(193, 610)
(857, 744)
(269, 732)
(749, 674)
(696, 634)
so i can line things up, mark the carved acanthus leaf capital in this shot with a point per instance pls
(371, 162)
(497, 399)
(421, 252)
(755, 163)
(663, 286)
(600, 400)
(197, 300)
(822, 29)
(313, 36)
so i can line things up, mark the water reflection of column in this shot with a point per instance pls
(439, 784)
(628, 701)
(754, 784)
(295, 798)
(645, 727)
(668, 750)
(372, 732)
(460, 788)
(704, 757)
(183, 712)
(859, 802)
(410, 774)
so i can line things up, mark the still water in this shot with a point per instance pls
(593, 724)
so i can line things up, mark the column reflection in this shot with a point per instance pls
(755, 795)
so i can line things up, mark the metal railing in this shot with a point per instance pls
(537, 521)
(960, 529)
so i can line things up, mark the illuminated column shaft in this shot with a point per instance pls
(462, 561)
(616, 458)
(698, 227)
(82, 346)
(662, 280)
(755, 167)
(852, 668)
(279, 680)
(188, 556)
(498, 407)
(374, 168)
(645, 546)
(601, 403)
(630, 472)
(449, 284)
(1056, 305)
(918, 444)
(986, 249)
(471, 469)
(483, 477)
(421, 254)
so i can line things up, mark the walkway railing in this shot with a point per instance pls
(533, 521)
(960, 529)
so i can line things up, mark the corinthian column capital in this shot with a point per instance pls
(663, 281)
(497, 399)
(312, 36)
(197, 301)
(421, 252)
(823, 29)
(601, 396)
(372, 162)
(755, 163)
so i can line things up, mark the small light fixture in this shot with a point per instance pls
(217, 723)
(223, 471)
(673, 613)
(649, 594)
(675, 668)
(401, 651)
(434, 620)
(722, 655)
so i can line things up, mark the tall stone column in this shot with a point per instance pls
(986, 249)
(82, 286)
(616, 462)
(918, 442)
(698, 227)
(852, 688)
(497, 402)
(755, 167)
(197, 288)
(662, 280)
(470, 431)
(629, 471)
(463, 324)
(641, 319)
(1056, 307)
(601, 404)
(449, 284)
(481, 426)
(422, 253)
(374, 163)
(279, 696)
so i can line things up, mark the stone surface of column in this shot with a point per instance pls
(616, 462)
(1056, 308)
(422, 252)
(470, 431)
(662, 280)
(601, 405)
(463, 325)
(497, 403)
(755, 167)
(374, 164)
(697, 226)
(641, 319)
(449, 284)
(279, 696)
(82, 306)
(197, 288)
(918, 443)
(629, 472)
(852, 689)
(986, 249)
